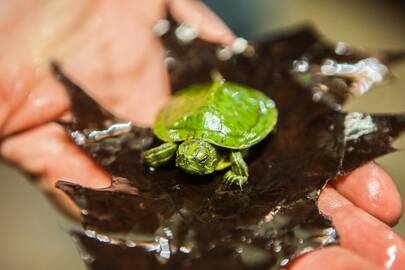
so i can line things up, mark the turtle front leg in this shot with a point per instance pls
(159, 155)
(239, 172)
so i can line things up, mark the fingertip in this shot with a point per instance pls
(330, 201)
(332, 258)
(60, 199)
(372, 189)
(49, 153)
(75, 166)
(39, 106)
(198, 15)
(361, 232)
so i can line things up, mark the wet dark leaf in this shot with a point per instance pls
(166, 219)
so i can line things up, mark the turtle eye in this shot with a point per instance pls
(202, 156)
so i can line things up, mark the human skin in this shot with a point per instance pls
(108, 48)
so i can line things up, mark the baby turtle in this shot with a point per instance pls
(210, 127)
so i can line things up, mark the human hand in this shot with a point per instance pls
(111, 51)
(361, 205)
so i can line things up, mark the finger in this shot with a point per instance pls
(332, 258)
(122, 67)
(39, 103)
(122, 70)
(196, 14)
(111, 51)
(48, 152)
(23, 50)
(372, 189)
(134, 74)
(361, 232)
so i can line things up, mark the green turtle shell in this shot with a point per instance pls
(223, 113)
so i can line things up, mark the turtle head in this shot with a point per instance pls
(197, 157)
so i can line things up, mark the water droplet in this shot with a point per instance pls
(313, 195)
(164, 248)
(301, 241)
(186, 33)
(115, 241)
(284, 262)
(176, 187)
(365, 72)
(239, 250)
(277, 246)
(78, 137)
(130, 243)
(185, 250)
(239, 45)
(270, 166)
(301, 65)
(317, 96)
(168, 232)
(341, 48)
(112, 131)
(224, 53)
(90, 233)
(161, 27)
(103, 238)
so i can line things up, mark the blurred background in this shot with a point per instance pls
(44, 243)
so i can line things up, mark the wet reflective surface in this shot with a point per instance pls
(166, 219)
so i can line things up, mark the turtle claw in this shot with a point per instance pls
(230, 178)
(238, 175)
